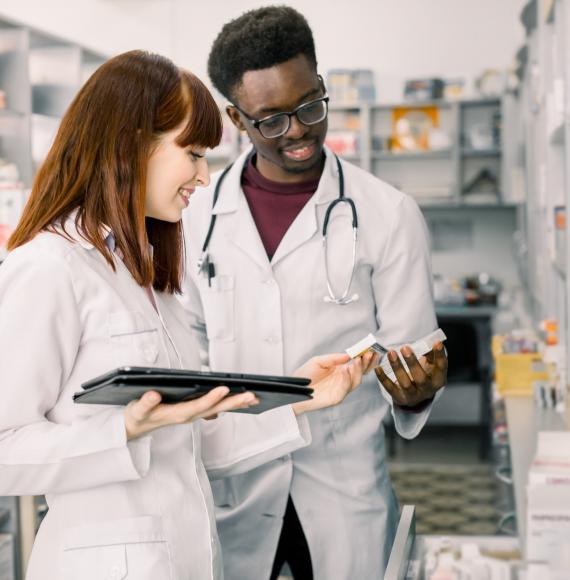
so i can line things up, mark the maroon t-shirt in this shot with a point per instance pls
(273, 205)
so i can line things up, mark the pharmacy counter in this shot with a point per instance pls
(525, 420)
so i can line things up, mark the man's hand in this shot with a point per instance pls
(426, 376)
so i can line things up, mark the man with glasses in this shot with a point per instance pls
(265, 298)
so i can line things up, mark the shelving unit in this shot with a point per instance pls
(361, 134)
(39, 74)
(544, 105)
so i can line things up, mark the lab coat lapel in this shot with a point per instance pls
(306, 225)
(302, 229)
(245, 234)
(232, 206)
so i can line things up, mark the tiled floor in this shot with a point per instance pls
(454, 491)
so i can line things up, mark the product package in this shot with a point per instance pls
(420, 348)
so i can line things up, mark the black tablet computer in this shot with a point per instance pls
(122, 385)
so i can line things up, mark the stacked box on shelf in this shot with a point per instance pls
(515, 373)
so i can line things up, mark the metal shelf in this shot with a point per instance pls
(470, 206)
(412, 104)
(403, 155)
(493, 152)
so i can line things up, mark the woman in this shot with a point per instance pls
(90, 285)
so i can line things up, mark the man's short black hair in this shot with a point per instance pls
(258, 39)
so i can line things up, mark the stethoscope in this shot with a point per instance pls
(207, 268)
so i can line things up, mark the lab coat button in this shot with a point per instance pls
(270, 281)
(149, 353)
(114, 573)
(270, 339)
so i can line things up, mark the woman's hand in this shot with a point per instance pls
(332, 376)
(147, 413)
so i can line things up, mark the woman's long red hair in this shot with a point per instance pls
(97, 164)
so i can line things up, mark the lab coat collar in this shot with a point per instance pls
(231, 191)
(73, 232)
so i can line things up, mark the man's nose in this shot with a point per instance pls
(296, 128)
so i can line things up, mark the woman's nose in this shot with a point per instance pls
(203, 175)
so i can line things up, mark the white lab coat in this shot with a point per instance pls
(269, 317)
(140, 509)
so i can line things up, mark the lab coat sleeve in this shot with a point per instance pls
(403, 290)
(235, 443)
(40, 337)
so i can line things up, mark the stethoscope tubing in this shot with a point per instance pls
(331, 297)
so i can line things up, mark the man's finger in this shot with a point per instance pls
(440, 358)
(392, 387)
(418, 373)
(402, 376)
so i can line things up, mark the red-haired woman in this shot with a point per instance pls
(89, 285)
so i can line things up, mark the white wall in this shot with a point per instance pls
(490, 245)
(396, 38)
(107, 26)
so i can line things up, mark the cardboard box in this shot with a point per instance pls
(516, 373)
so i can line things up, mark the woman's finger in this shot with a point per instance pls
(143, 407)
(356, 372)
(370, 360)
(201, 406)
(241, 401)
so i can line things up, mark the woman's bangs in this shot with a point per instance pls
(204, 126)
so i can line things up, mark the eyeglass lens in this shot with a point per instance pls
(309, 114)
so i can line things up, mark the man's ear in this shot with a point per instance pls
(235, 117)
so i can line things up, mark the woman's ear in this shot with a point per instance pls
(235, 117)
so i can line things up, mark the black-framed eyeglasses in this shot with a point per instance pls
(276, 125)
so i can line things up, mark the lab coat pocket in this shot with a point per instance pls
(218, 302)
(134, 340)
(127, 548)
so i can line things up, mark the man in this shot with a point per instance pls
(268, 294)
